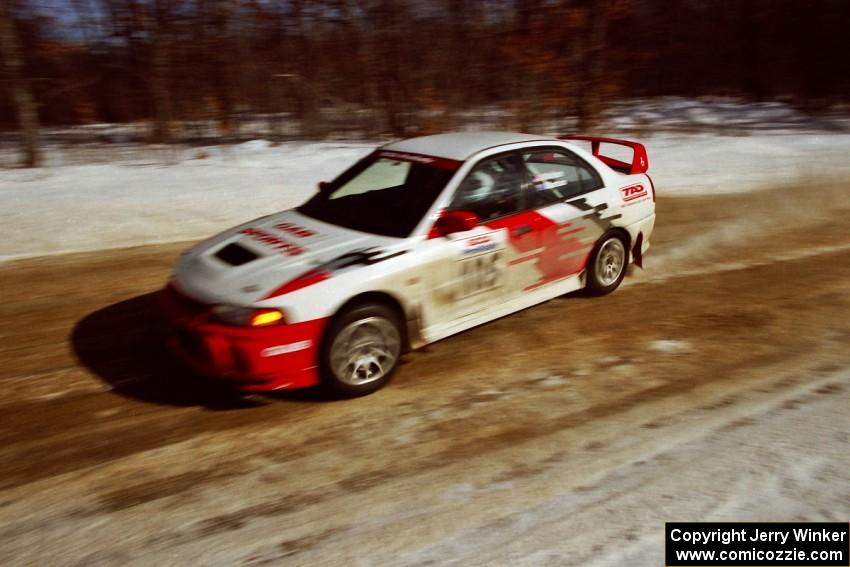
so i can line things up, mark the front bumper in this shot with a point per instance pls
(252, 359)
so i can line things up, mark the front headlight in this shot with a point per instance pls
(247, 316)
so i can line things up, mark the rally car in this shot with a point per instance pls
(419, 240)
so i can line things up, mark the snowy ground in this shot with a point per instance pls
(66, 208)
(101, 190)
(195, 193)
(728, 401)
(721, 115)
(564, 435)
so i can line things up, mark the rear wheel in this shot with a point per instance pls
(607, 266)
(361, 351)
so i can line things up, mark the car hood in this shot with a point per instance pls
(246, 264)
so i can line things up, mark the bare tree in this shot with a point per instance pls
(590, 94)
(161, 70)
(403, 66)
(390, 45)
(305, 65)
(23, 102)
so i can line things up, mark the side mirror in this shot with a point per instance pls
(454, 221)
(324, 186)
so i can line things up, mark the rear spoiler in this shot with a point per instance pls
(640, 161)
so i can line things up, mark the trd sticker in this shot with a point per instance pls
(633, 192)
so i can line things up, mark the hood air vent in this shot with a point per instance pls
(235, 255)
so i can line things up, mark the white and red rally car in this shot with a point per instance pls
(422, 239)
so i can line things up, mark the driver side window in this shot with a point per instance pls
(493, 189)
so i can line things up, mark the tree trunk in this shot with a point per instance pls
(389, 42)
(160, 74)
(590, 96)
(749, 42)
(23, 102)
(307, 93)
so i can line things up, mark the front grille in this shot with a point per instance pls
(185, 303)
(239, 360)
(193, 345)
(235, 255)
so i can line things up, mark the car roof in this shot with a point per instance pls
(461, 145)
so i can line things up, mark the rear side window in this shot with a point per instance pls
(557, 175)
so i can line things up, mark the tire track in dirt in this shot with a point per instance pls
(475, 440)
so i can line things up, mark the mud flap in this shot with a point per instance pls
(415, 338)
(637, 251)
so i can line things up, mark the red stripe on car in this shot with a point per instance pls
(546, 244)
(304, 280)
(442, 163)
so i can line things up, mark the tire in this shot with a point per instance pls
(361, 350)
(607, 265)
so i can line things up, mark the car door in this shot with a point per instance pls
(476, 270)
(566, 195)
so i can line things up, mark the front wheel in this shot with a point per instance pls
(607, 266)
(361, 350)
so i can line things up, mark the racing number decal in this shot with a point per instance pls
(479, 266)
(480, 273)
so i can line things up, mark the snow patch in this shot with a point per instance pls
(552, 380)
(71, 208)
(669, 345)
(174, 195)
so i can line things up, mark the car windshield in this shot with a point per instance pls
(381, 194)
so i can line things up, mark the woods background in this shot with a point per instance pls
(400, 67)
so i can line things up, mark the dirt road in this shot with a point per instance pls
(712, 386)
